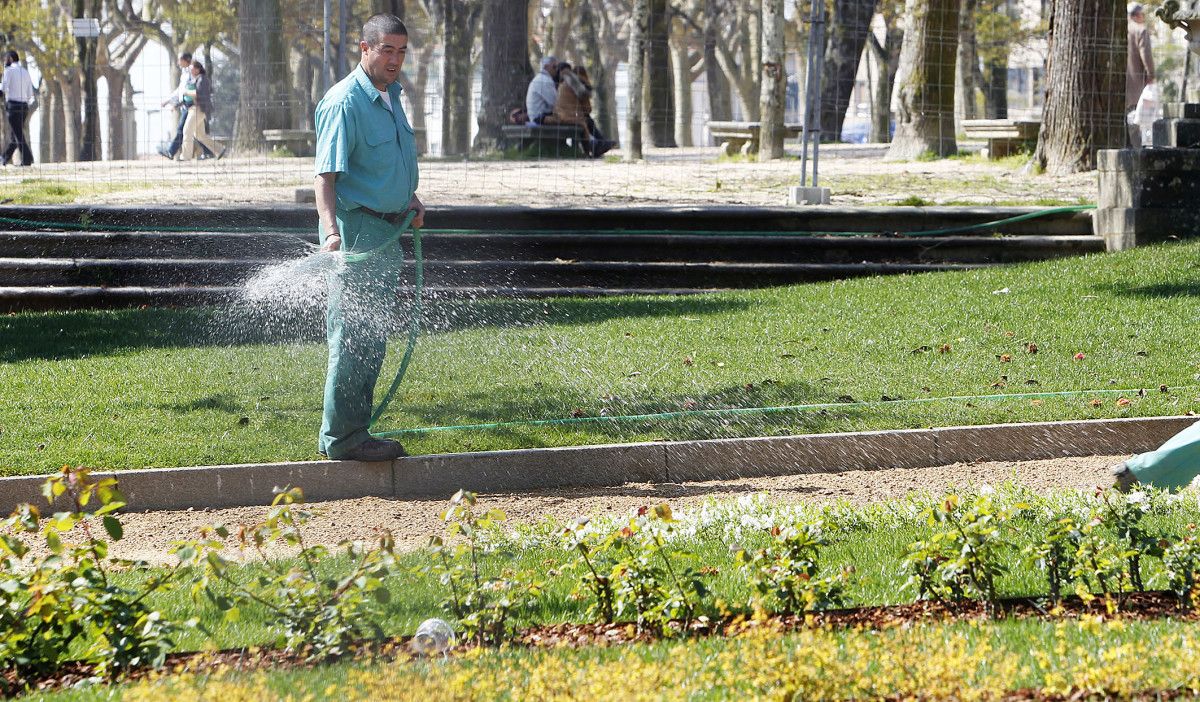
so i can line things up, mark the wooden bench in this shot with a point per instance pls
(301, 142)
(742, 137)
(1005, 137)
(552, 140)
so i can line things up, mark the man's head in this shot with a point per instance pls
(185, 60)
(549, 65)
(384, 44)
(1137, 13)
(11, 57)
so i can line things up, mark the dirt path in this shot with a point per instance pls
(856, 174)
(413, 521)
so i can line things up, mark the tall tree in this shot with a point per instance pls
(686, 67)
(967, 73)
(998, 28)
(263, 76)
(887, 60)
(848, 29)
(604, 100)
(506, 69)
(1085, 85)
(459, 20)
(89, 146)
(660, 98)
(925, 81)
(637, 71)
(720, 107)
(773, 82)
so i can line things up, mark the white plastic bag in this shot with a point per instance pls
(1149, 109)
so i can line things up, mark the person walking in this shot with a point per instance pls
(195, 128)
(1139, 67)
(366, 183)
(18, 94)
(180, 101)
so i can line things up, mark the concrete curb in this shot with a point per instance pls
(504, 471)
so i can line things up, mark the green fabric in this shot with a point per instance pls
(362, 302)
(1173, 465)
(372, 150)
(188, 99)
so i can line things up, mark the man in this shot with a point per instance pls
(179, 100)
(1139, 67)
(366, 182)
(543, 91)
(18, 93)
(1172, 466)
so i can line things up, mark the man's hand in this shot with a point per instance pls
(415, 205)
(333, 242)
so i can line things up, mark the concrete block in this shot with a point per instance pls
(721, 459)
(245, 485)
(1177, 133)
(502, 471)
(1034, 441)
(799, 195)
(1181, 110)
(1124, 228)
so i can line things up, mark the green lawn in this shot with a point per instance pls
(142, 388)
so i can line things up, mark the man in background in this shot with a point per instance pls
(18, 93)
(543, 91)
(178, 101)
(1139, 68)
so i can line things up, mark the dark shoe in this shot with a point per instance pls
(1123, 479)
(601, 147)
(162, 151)
(376, 450)
(223, 152)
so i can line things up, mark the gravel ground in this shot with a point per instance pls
(856, 174)
(148, 534)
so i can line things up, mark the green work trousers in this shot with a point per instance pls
(1173, 465)
(360, 314)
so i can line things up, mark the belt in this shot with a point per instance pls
(392, 218)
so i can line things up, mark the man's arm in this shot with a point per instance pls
(326, 201)
(1147, 56)
(415, 204)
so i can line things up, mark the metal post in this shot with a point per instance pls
(813, 73)
(326, 49)
(818, 31)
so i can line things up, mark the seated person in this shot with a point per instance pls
(540, 97)
(518, 115)
(573, 105)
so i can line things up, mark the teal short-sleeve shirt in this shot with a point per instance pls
(370, 148)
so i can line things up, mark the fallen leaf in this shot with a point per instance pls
(1143, 354)
(634, 374)
(577, 413)
(748, 386)
(1096, 403)
(1010, 334)
(1004, 358)
(944, 348)
(1036, 403)
(1031, 348)
(787, 355)
(921, 349)
(1162, 388)
(1124, 402)
(1079, 356)
(846, 398)
(687, 360)
(691, 405)
(1031, 381)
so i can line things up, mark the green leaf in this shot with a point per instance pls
(113, 526)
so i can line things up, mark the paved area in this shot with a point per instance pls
(856, 174)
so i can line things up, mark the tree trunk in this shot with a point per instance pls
(661, 98)
(51, 121)
(263, 76)
(506, 70)
(456, 77)
(604, 95)
(772, 82)
(848, 30)
(301, 104)
(637, 71)
(995, 92)
(89, 145)
(925, 81)
(681, 80)
(887, 60)
(415, 89)
(73, 105)
(1085, 85)
(966, 64)
(115, 80)
(720, 107)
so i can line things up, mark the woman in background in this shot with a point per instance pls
(194, 129)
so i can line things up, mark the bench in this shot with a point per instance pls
(1005, 137)
(553, 140)
(301, 142)
(742, 137)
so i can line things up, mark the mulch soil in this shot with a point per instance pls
(1131, 606)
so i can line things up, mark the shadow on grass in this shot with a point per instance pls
(1157, 290)
(78, 334)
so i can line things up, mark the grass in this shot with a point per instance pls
(138, 388)
(42, 191)
(943, 658)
